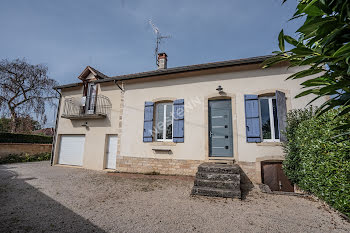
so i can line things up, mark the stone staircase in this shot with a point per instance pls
(217, 180)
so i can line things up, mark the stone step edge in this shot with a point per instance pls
(220, 184)
(216, 181)
(213, 189)
(226, 169)
(212, 192)
(217, 173)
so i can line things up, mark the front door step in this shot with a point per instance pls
(216, 192)
(218, 180)
(218, 168)
(216, 184)
(221, 177)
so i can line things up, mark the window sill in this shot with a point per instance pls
(269, 144)
(163, 143)
(162, 150)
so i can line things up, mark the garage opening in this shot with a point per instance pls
(71, 150)
(274, 177)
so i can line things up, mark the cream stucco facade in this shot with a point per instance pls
(126, 119)
(96, 130)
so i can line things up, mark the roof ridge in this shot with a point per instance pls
(225, 62)
(173, 70)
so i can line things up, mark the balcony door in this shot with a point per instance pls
(91, 98)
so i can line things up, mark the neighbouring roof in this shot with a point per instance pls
(46, 131)
(180, 69)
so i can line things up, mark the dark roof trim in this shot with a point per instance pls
(246, 61)
(95, 72)
(213, 65)
(68, 85)
(98, 73)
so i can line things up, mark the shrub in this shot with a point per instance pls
(24, 138)
(318, 159)
(291, 150)
(19, 158)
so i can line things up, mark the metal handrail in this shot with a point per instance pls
(99, 105)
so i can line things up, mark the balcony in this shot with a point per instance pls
(87, 107)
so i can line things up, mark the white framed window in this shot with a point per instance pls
(268, 117)
(164, 122)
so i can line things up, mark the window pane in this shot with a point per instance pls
(159, 123)
(169, 121)
(265, 118)
(275, 119)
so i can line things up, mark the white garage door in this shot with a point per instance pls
(71, 150)
(112, 152)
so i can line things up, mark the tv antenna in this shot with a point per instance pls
(159, 38)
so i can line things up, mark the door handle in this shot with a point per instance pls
(280, 184)
(210, 134)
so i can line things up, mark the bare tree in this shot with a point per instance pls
(25, 90)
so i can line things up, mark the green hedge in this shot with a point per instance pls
(20, 158)
(317, 158)
(292, 149)
(24, 138)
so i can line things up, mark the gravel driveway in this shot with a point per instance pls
(35, 197)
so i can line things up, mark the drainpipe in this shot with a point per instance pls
(120, 87)
(55, 132)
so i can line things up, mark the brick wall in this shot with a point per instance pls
(18, 148)
(163, 166)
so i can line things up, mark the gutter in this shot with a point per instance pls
(56, 125)
(67, 86)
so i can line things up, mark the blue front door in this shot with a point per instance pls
(220, 128)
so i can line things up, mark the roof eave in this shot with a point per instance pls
(67, 86)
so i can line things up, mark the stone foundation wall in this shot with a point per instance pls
(25, 148)
(250, 172)
(163, 166)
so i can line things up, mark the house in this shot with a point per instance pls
(171, 120)
(45, 131)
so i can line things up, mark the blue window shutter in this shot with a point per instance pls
(252, 118)
(178, 121)
(281, 114)
(148, 122)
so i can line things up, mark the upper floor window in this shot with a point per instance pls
(269, 119)
(90, 98)
(164, 122)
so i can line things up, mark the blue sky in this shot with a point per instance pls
(116, 38)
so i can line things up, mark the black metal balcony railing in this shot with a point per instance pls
(87, 107)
